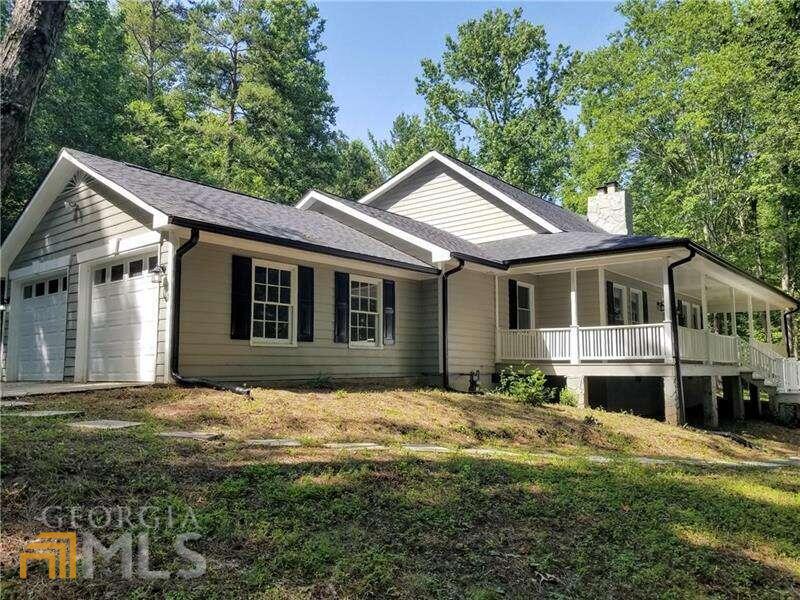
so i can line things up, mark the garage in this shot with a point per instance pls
(123, 331)
(42, 329)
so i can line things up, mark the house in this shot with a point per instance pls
(119, 273)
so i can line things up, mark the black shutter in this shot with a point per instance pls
(611, 316)
(241, 290)
(512, 304)
(644, 307)
(305, 304)
(341, 310)
(388, 312)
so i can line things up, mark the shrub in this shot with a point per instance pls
(525, 384)
(321, 382)
(567, 397)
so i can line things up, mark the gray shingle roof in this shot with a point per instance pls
(546, 245)
(564, 219)
(206, 204)
(432, 234)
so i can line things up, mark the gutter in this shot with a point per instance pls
(176, 327)
(453, 271)
(676, 347)
(279, 241)
(786, 329)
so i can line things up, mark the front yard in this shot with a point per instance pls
(311, 522)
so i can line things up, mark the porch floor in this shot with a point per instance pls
(18, 389)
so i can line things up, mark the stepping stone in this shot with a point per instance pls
(599, 459)
(489, 452)
(354, 446)
(191, 435)
(646, 460)
(38, 414)
(104, 424)
(14, 403)
(424, 448)
(274, 443)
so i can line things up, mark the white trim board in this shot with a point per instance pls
(448, 162)
(437, 253)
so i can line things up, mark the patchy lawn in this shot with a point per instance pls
(314, 523)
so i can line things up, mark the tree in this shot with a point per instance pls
(155, 36)
(499, 80)
(81, 102)
(691, 111)
(357, 173)
(27, 49)
(410, 137)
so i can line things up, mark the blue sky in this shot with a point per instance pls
(374, 49)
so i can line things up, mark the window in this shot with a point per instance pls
(636, 307)
(697, 320)
(117, 271)
(135, 268)
(63, 284)
(273, 303)
(364, 311)
(27, 292)
(52, 286)
(39, 288)
(684, 311)
(618, 298)
(99, 276)
(524, 306)
(152, 263)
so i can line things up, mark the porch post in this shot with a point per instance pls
(573, 305)
(497, 320)
(704, 317)
(750, 327)
(733, 312)
(669, 352)
(601, 296)
(767, 324)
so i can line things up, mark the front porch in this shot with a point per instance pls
(609, 318)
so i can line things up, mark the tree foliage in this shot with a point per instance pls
(694, 105)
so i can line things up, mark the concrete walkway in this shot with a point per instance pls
(18, 389)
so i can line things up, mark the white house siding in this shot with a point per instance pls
(65, 231)
(471, 329)
(207, 350)
(440, 197)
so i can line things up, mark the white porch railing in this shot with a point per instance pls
(791, 375)
(693, 344)
(623, 342)
(535, 344)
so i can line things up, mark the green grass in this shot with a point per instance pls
(309, 523)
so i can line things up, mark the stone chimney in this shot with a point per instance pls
(610, 209)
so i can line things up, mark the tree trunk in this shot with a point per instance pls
(25, 54)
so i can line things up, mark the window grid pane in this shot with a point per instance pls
(272, 308)
(363, 311)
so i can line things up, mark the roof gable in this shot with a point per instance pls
(547, 217)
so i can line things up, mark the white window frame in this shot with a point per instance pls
(624, 300)
(529, 287)
(631, 293)
(268, 264)
(378, 343)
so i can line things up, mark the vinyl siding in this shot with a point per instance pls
(206, 349)
(65, 231)
(471, 328)
(440, 197)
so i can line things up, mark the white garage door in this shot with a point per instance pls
(124, 321)
(42, 329)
